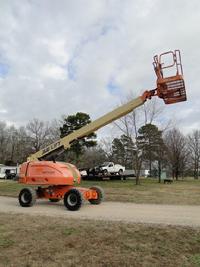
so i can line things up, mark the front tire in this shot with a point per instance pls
(27, 197)
(73, 199)
(100, 195)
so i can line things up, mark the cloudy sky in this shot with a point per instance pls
(60, 57)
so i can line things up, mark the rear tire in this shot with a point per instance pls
(120, 172)
(100, 195)
(54, 200)
(27, 197)
(73, 199)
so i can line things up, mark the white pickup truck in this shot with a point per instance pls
(111, 168)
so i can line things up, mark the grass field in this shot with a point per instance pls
(29, 241)
(183, 192)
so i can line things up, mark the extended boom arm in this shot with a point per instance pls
(170, 89)
(64, 143)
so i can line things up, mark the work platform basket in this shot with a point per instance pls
(170, 82)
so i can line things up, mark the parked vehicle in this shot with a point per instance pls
(8, 172)
(107, 168)
(111, 168)
(94, 171)
(83, 172)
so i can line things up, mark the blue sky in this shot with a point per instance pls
(3, 70)
(62, 57)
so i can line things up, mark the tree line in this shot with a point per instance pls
(140, 143)
(17, 143)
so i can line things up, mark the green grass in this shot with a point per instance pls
(70, 231)
(183, 192)
(5, 242)
(10, 188)
(195, 259)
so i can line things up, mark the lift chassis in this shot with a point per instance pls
(55, 181)
(58, 180)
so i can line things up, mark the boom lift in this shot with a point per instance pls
(56, 180)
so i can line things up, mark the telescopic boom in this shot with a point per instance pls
(170, 88)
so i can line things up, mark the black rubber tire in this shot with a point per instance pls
(105, 172)
(73, 199)
(100, 194)
(120, 172)
(54, 200)
(27, 197)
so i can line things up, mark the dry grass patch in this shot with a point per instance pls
(183, 192)
(42, 241)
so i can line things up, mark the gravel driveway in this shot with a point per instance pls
(111, 211)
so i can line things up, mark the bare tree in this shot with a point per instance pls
(39, 133)
(152, 109)
(176, 151)
(194, 151)
(12, 143)
(23, 146)
(16, 144)
(92, 157)
(130, 124)
(106, 145)
(54, 129)
(3, 141)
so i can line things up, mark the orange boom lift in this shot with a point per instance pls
(57, 180)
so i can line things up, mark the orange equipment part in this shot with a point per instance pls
(58, 192)
(170, 88)
(55, 180)
(49, 173)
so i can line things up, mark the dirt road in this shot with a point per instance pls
(111, 211)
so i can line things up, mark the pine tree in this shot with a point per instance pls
(151, 144)
(71, 124)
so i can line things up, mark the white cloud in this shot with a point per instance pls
(3, 111)
(53, 72)
(57, 49)
(62, 55)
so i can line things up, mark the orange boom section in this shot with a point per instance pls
(49, 173)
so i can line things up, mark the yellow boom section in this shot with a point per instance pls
(65, 142)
